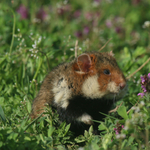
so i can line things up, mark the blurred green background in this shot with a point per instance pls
(36, 36)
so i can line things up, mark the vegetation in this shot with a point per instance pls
(36, 36)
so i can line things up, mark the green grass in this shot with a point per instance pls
(30, 48)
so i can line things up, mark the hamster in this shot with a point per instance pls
(81, 89)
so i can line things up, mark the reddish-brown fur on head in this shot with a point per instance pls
(92, 75)
(89, 65)
(85, 65)
(114, 76)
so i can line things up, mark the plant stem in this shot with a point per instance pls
(40, 63)
(13, 32)
(137, 69)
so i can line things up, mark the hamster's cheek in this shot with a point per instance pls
(91, 88)
(61, 93)
(112, 87)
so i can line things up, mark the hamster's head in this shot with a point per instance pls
(102, 78)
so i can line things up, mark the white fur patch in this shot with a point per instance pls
(91, 88)
(61, 93)
(80, 72)
(112, 87)
(85, 118)
(114, 91)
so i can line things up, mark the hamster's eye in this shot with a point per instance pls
(106, 71)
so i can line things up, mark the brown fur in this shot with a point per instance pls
(72, 75)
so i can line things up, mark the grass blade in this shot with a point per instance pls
(2, 115)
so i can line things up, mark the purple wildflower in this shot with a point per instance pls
(23, 11)
(141, 94)
(86, 30)
(118, 128)
(143, 88)
(77, 14)
(64, 9)
(148, 75)
(136, 2)
(142, 79)
(78, 34)
(108, 23)
(118, 29)
(41, 14)
(115, 129)
(97, 1)
(88, 16)
(145, 84)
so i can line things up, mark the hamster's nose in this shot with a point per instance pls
(122, 85)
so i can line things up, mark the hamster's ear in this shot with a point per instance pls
(111, 53)
(83, 64)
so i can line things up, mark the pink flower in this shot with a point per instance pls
(64, 9)
(88, 16)
(77, 14)
(23, 11)
(41, 14)
(118, 29)
(144, 88)
(141, 94)
(97, 1)
(145, 84)
(108, 23)
(136, 2)
(86, 30)
(142, 79)
(118, 128)
(148, 75)
(78, 34)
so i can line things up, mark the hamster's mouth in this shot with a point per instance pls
(117, 94)
(111, 95)
(114, 92)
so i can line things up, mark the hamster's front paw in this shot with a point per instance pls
(85, 118)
